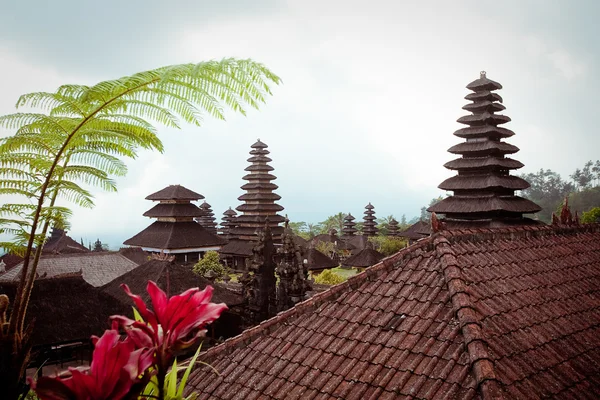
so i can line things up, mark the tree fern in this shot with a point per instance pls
(77, 134)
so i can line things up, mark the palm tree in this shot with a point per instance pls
(335, 221)
(79, 135)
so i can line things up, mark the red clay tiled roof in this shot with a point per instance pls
(503, 313)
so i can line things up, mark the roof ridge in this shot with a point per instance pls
(517, 232)
(482, 364)
(314, 302)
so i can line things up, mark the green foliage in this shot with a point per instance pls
(333, 222)
(585, 200)
(328, 277)
(313, 230)
(327, 248)
(383, 224)
(591, 216)
(426, 215)
(210, 262)
(387, 245)
(548, 190)
(585, 177)
(172, 391)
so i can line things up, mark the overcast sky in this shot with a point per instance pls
(370, 96)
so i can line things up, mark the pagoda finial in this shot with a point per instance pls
(482, 75)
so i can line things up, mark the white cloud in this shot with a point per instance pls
(566, 64)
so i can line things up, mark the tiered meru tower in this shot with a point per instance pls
(259, 201)
(369, 224)
(484, 190)
(393, 229)
(207, 220)
(349, 229)
(228, 222)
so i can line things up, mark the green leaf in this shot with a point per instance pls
(187, 372)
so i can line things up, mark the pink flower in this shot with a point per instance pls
(114, 373)
(174, 323)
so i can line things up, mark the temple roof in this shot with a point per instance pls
(317, 261)
(98, 268)
(480, 313)
(173, 210)
(174, 192)
(364, 258)
(61, 243)
(170, 277)
(174, 236)
(67, 308)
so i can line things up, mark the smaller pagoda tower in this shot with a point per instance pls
(349, 229)
(207, 220)
(393, 229)
(369, 225)
(174, 231)
(227, 223)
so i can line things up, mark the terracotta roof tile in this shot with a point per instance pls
(507, 313)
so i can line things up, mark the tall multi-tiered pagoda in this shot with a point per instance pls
(259, 200)
(393, 229)
(227, 223)
(484, 190)
(174, 231)
(349, 229)
(207, 220)
(369, 224)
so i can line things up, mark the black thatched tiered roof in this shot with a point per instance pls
(259, 201)
(228, 222)
(175, 230)
(393, 229)
(349, 226)
(484, 190)
(175, 192)
(207, 219)
(317, 261)
(369, 225)
(365, 258)
(416, 231)
(61, 243)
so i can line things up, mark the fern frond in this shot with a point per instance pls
(89, 175)
(103, 161)
(72, 192)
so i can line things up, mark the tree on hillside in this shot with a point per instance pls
(426, 215)
(383, 224)
(77, 137)
(548, 190)
(584, 177)
(335, 221)
(299, 228)
(313, 230)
